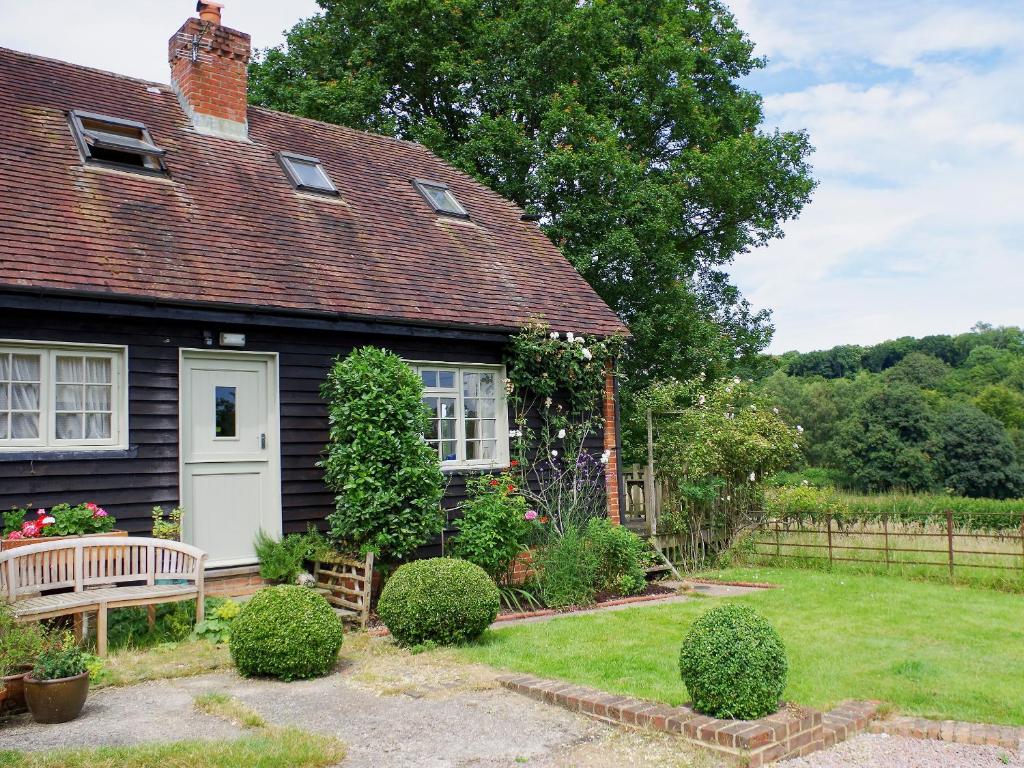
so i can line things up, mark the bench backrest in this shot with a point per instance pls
(86, 562)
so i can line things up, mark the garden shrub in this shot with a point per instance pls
(20, 644)
(387, 480)
(286, 631)
(494, 528)
(621, 556)
(566, 570)
(282, 561)
(733, 664)
(441, 600)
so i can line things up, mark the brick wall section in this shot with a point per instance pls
(791, 732)
(237, 585)
(978, 734)
(611, 432)
(217, 84)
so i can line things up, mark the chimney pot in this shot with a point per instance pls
(209, 11)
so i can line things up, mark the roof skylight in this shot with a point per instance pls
(440, 197)
(113, 141)
(306, 173)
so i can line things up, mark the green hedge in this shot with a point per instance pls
(287, 632)
(808, 503)
(442, 600)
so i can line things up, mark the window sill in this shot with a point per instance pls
(69, 454)
(474, 469)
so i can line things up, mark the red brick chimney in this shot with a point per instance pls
(209, 72)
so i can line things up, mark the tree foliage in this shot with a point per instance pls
(622, 123)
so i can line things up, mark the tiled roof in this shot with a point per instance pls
(227, 227)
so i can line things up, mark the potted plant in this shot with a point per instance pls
(58, 685)
(22, 527)
(20, 645)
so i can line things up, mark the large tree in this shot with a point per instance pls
(622, 123)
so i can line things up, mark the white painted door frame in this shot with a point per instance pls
(271, 515)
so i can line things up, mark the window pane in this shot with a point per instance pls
(448, 451)
(70, 369)
(25, 367)
(447, 408)
(488, 428)
(4, 433)
(97, 426)
(429, 378)
(5, 367)
(472, 428)
(69, 426)
(431, 434)
(447, 427)
(487, 381)
(472, 407)
(69, 397)
(24, 426)
(446, 379)
(225, 411)
(309, 174)
(431, 403)
(97, 370)
(470, 384)
(25, 397)
(488, 449)
(488, 409)
(97, 398)
(5, 396)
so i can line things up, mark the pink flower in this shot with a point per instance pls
(41, 513)
(15, 535)
(92, 507)
(30, 529)
(531, 514)
(99, 512)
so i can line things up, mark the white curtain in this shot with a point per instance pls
(25, 373)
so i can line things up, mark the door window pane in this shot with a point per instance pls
(224, 405)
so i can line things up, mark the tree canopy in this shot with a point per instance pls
(624, 124)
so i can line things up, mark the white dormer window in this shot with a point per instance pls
(306, 173)
(440, 198)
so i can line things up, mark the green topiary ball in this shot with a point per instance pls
(442, 600)
(288, 632)
(734, 664)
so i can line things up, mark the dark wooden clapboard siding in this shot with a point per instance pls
(130, 484)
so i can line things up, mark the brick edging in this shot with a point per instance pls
(585, 609)
(790, 732)
(976, 734)
(750, 584)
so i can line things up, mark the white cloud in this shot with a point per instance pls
(916, 226)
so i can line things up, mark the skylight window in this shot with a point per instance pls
(112, 141)
(440, 197)
(306, 173)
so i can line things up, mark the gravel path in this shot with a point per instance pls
(872, 750)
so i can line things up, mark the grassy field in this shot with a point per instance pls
(933, 650)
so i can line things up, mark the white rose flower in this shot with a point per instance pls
(554, 335)
(569, 336)
(561, 434)
(605, 457)
(547, 402)
(753, 477)
(799, 429)
(701, 400)
(728, 390)
(587, 354)
(580, 340)
(554, 454)
(736, 380)
(775, 411)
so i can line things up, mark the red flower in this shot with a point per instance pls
(30, 529)
(15, 535)
(511, 488)
(543, 520)
(494, 482)
(92, 507)
(513, 463)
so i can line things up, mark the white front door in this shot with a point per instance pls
(230, 462)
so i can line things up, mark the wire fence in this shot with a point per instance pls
(897, 540)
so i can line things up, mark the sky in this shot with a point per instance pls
(915, 109)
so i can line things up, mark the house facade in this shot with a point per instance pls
(178, 270)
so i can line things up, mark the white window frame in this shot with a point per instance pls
(48, 352)
(502, 453)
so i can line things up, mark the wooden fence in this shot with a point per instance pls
(896, 539)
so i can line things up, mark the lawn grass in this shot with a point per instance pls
(130, 666)
(278, 748)
(932, 650)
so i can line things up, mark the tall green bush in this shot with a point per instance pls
(387, 481)
(566, 570)
(620, 555)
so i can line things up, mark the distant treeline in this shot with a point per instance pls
(940, 413)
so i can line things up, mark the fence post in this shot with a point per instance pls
(1022, 540)
(650, 484)
(885, 528)
(829, 521)
(949, 538)
(778, 540)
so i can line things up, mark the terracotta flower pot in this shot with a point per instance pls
(56, 701)
(15, 686)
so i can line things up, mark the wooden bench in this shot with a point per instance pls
(77, 576)
(346, 583)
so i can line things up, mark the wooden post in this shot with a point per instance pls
(1022, 540)
(949, 538)
(778, 541)
(829, 522)
(885, 529)
(650, 493)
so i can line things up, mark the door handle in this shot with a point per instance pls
(263, 441)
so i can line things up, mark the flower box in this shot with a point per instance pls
(7, 544)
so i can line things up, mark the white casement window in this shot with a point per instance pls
(62, 397)
(469, 414)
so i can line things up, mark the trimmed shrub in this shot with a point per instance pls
(734, 664)
(440, 600)
(287, 632)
